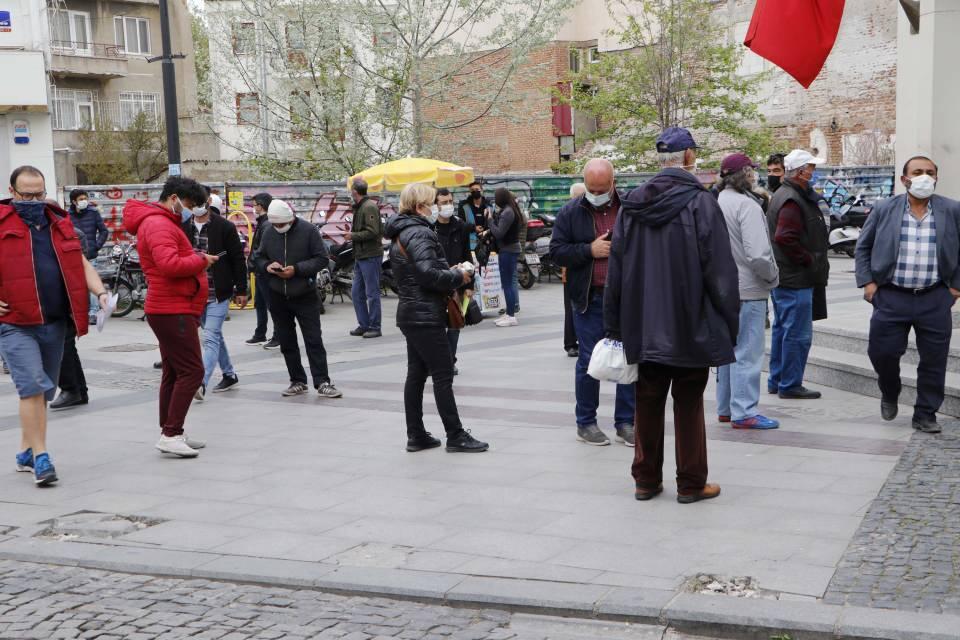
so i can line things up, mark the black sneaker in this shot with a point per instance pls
(422, 442)
(926, 425)
(256, 340)
(295, 389)
(273, 344)
(888, 409)
(373, 333)
(158, 365)
(68, 399)
(358, 332)
(226, 383)
(466, 443)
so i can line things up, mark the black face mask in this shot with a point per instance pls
(476, 195)
(773, 182)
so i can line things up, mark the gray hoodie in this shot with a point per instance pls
(750, 243)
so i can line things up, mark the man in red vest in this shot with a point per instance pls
(176, 296)
(44, 281)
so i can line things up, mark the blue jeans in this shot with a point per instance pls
(738, 384)
(214, 348)
(508, 280)
(33, 354)
(589, 329)
(792, 336)
(366, 292)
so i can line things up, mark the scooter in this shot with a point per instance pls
(846, 223)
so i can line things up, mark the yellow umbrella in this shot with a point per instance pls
(394, 176)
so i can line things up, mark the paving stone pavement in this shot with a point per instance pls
(906, 553)
(47, 602)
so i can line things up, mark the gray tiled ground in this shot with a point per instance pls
(321, 481)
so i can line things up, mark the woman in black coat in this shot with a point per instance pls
(425, 280)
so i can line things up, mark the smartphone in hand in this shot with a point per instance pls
(221, 254)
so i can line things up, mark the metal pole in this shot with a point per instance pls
(169, 93)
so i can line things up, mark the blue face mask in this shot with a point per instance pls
(31, 211)
(813, 179)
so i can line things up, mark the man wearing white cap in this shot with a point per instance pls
(290, 255)
(800, 246)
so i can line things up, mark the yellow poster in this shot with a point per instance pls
(235, 201)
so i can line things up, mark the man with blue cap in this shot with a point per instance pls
(673, 299)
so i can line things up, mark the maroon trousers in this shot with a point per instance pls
(690, 436)
(182, 367)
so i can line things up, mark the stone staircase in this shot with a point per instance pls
(838, 359)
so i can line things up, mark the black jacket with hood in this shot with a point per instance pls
(230, 271)
(302, 247)
(672, 290)
(424, 279)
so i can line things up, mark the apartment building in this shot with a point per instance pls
(100, 75)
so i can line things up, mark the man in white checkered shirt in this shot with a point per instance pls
(907, 263)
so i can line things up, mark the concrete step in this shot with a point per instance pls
(853, 341)
(851, 371)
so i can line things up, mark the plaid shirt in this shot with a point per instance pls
(917, 262)
(604, 219)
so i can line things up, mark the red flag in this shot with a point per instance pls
(795, 35)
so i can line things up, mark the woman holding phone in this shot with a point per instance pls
(507, 225)
(425, 281)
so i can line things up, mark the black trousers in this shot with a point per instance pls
(569, 334)
(305, 311)
(453, 339)
(72, 379)
(428, 354)
(261, 301)
(894, 313)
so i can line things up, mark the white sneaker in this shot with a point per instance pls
(194, 444)
(507, 321)
(177, 445)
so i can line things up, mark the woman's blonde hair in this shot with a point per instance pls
(414, 195)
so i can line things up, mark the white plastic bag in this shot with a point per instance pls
(609, 363)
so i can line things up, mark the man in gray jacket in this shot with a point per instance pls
(738, 384)
(907, 259)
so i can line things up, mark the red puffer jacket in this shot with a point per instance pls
(18, 278)
(176, 282)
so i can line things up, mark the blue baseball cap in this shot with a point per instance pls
(674, 139)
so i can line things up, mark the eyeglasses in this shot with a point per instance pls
(39, 195)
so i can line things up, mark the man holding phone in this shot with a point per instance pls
(226, 281)
(581, 243)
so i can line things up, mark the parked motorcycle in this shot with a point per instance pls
(124, 277)
(528, 268)
(846, 223)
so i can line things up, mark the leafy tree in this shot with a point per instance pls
(201, 62)
(133, 156)
(676, 69)
(344, 84)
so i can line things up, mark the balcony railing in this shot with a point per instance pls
(88, 49)
(112, 116)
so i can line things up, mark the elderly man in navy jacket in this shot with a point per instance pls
(581, 243)
(907, 266)
(673, 297)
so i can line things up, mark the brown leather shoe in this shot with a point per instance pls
(647, 494)
(708, 491)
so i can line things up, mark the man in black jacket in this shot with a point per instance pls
(261, 292)
(290, 255)
(213, 234)
(581, 243)
(455, 240)
(673, 298)
(473, 212)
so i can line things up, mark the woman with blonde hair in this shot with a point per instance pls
(425, 280)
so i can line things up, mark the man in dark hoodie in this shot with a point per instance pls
(673, 298)
(261, 294)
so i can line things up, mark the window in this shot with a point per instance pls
(244, 37)
(133, 103)
(575, 60)
(593, 55)
(71, 30)
(296, 43)
(73, 109)
(132, 34)
(248, 108)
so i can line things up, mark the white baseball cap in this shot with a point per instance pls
(279, 212)
(216, 202)
(798, 158)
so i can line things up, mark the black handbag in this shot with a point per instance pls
(473, 315)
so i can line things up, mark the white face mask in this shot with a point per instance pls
(82, 204)
(434, 213)
(446, 211)
(199, 211)
(597, 200)
(283, 228)
(922, 187)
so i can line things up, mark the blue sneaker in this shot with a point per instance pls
(44, 473)
(756, 422)
(25, 461)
